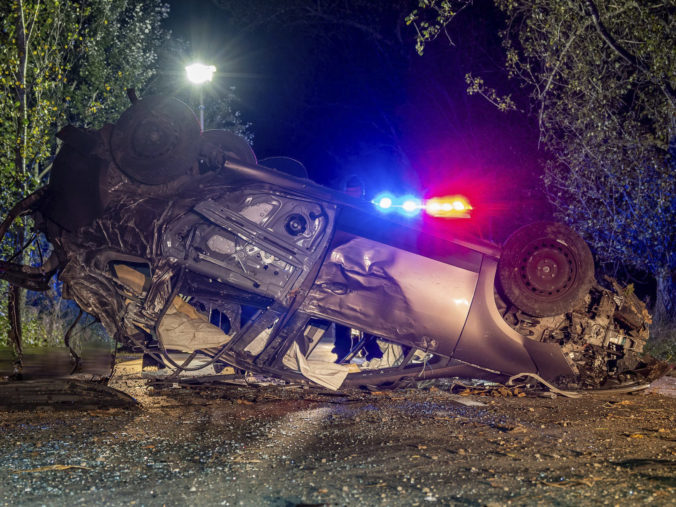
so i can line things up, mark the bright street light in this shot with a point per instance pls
(198, 74)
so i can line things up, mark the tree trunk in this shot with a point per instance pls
(665, 303)
(14, 333)
(15, 292)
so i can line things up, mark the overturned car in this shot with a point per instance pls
(187, 249)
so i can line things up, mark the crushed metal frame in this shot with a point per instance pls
(223, 233)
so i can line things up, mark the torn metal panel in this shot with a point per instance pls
(392, 293)
(489, 341)
(264, 243)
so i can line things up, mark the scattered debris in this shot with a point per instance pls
(553, 389)
(51, 468)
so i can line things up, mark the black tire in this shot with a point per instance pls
(156, 140)
(545, 269)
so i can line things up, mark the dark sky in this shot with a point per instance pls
(401, 121)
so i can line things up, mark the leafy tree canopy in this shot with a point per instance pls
(601, 77)
(66, 61)
(63, 61)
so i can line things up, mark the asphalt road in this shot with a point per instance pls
(286, 446)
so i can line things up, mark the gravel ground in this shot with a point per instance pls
(286, 446)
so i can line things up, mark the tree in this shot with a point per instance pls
(60, 62)
(601, 78)
(119, 46)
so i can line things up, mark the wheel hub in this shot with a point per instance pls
(156, 140)
(547, 268)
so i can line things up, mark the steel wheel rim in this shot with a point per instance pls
(547, 268)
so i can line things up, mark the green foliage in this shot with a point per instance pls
(432, 17)
(662, 342)
(46, 318)
(63, 61)
(34, 61)
(476, 86)
(66, 62)
(601, 77)
(117, 49)
(608, 119)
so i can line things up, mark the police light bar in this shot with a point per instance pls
(454, 206)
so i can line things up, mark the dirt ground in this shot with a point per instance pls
(291, 446)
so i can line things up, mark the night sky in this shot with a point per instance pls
(401, 121)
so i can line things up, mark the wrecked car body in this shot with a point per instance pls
(187, 249)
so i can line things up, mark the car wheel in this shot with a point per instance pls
(545, 269)
(156, 140)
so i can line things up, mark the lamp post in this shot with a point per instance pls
(198, 74)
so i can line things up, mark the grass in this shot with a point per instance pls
(662, 342)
